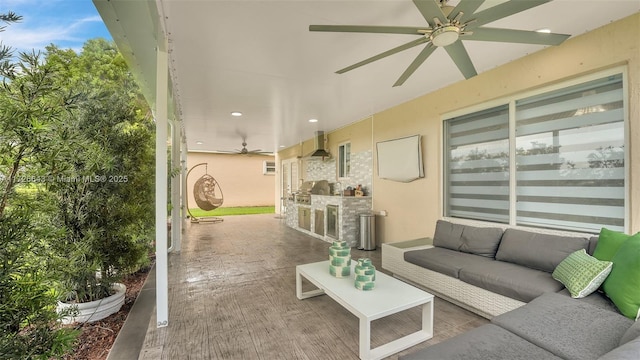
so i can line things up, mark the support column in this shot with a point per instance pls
(184, 167)
(176, 188)
(161, 111)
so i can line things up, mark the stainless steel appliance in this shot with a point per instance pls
(318, 222)
(304, 218)
(332, 221)
(303, 195)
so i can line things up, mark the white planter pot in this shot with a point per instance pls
(96, 310)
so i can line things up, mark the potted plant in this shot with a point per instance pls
(102, 175)
(105, 210)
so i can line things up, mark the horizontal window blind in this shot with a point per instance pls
(477, 165)
(570, 171)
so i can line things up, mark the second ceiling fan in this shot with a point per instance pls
(245, 151)
(447, 27)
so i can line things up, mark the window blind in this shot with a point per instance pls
(570, 171)
(477, 184)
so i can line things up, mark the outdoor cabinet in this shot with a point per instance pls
(304, 218)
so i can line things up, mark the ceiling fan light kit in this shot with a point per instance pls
(445, 35)
(446, 26)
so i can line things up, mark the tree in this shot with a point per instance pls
(30, 106)
(105, 194)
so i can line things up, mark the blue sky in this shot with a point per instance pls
(65, 23)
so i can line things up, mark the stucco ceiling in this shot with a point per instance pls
(259, 58)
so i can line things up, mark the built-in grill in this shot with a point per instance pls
(303, 195)
(308, 188)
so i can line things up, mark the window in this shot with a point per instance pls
(478, 165)
(344, 160)
(563, 162)
(268, 167)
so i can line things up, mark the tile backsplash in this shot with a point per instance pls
(361, 170)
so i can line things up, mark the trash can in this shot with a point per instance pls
(367, 232)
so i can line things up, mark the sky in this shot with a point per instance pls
(65, 23)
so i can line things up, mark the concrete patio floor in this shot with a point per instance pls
(232, 296)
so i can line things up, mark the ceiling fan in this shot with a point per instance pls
(245, 151)
(447, 27)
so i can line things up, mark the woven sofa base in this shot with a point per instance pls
(480, 301)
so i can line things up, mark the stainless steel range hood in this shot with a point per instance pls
(319, 145)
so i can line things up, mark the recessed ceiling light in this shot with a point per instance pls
(313, 120)
(199, 143)
(281, 146)
(236, 113)
(544, 31)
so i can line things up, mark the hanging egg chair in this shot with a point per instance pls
(207, 194)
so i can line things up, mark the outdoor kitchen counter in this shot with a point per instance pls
(349, 209)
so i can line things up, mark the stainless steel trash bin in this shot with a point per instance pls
(367, 232)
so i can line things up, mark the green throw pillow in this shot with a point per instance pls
(623, 284)
(581, 273)
(608, 244)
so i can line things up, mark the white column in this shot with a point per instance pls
(176, 189)
(183, 176)
(161, 109)
(279, 193)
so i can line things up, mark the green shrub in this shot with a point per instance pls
(28, 317)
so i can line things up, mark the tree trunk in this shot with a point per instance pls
(11, 181)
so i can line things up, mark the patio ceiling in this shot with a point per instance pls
(259, 58)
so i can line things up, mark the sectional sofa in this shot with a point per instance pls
(509, 275)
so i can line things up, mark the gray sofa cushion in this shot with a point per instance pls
(632, 333)
(481, 241)
(448, 235)
(482, 343)
(597, 298)
(569, 329)
(444, 261)
(538, 251)
(593, 241)
(515, 281)
(628, 351)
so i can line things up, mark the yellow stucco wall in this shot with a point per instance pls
(239, 176)
(413, 208)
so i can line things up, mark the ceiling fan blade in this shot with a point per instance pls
(424, 54)
(503, 10)
(406, 46)
(467, 7)
(516, 36)
(368, 29)
(460, 56)
(429, 10)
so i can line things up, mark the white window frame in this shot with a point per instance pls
(340, 165)
(269, 167)
(511, 100)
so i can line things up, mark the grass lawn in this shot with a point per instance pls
(243, 210)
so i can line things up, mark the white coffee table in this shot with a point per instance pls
(389, 296)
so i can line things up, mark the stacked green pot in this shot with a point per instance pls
(365, 274)
(340, 259)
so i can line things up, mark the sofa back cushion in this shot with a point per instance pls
(448, 235)
(537, 251)
(593, 242)
(481, 241)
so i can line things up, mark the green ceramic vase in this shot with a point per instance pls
(340, 259)
(365, 274)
